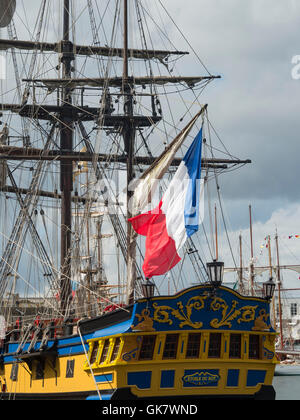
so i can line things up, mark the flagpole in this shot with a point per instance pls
(216, 233)
(279, 291)
(252, 253)
(271, 275)
(241, 264)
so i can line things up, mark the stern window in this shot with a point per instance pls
(235, 346)
(170, 350)
(214, 349)
(94, 352)
(147, 347)
(193, 346)
(104, 351)
(254, 347)
(116, 349)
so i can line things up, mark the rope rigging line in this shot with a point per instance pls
(15, 237)
(184, 37)
(32, 287)
(220, 201)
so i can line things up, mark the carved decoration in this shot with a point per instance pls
(167, 314)
(260, 322)
(131, 354)
(183, 313)
(145, 322)
(246, 313)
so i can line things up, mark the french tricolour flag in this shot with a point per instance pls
(176, 217)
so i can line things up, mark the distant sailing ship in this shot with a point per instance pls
(249, 281)
(66, 134)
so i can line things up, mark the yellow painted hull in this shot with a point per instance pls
(117, 362)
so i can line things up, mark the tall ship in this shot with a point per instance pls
(106, 151)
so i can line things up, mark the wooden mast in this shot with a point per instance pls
(270, 256)
(252, 254)
(241, 287)
(279, 292)
(216, 234)
(129, 140)
(271, 275)
(66, 167)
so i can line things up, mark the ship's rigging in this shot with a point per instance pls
(104, 120)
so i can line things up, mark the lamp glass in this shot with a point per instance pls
(269, 289)
(148, 289)
(215, 272)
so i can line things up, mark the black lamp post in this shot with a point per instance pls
(148, 289)
(215, 272)
(269, 289)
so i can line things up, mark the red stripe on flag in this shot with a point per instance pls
(161, 254)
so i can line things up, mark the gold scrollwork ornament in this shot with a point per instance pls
(246, 313)
(183, 313)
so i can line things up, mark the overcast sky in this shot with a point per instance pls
(255, 108)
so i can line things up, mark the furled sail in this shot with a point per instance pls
(7, 8)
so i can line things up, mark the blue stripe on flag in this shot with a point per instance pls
(192, 161)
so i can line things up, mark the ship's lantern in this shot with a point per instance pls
(215, 272)
(269, 289)
(148, 289)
